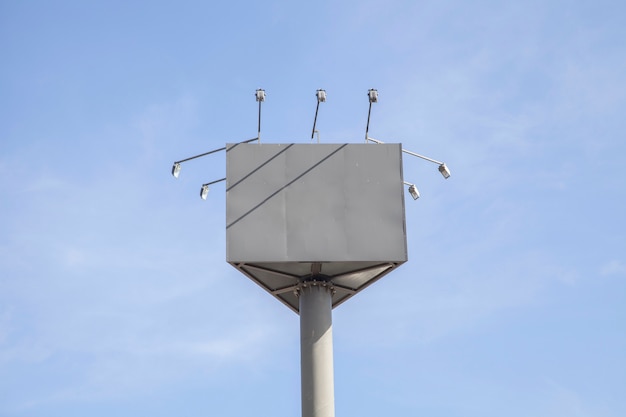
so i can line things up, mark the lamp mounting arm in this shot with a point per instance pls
(214, 182)
(213, 151)
(445, 171)
(407, 151)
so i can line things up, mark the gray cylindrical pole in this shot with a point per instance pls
(316, 351)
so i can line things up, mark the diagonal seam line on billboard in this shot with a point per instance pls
(287, 185)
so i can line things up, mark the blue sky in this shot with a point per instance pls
(115, 297)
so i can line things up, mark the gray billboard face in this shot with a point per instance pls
(331, 210)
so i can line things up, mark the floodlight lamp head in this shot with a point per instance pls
(321, 95)
(372, 94)
(204, 191)
(260, 95)
(414, 192)
(444, 171)
(176, 170)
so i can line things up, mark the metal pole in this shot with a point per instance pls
(367, 128)
(258, 135)
(316, 350)
(315, 121)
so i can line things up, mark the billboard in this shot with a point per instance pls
(331, 212)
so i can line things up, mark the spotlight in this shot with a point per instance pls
(204, 191)
(414, 193)
(260, 95)
(176, 170)
(373, 95)
(321, 95)
(444, 171)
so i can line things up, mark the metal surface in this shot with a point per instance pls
(294, 211)
(316, 350)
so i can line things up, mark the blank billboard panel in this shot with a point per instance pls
(294, 210)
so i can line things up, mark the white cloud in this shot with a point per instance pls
(5, 325)
(614, 267)
(563, 401)
(167, 120)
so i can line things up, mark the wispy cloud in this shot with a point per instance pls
(563, 401)
(613, 267)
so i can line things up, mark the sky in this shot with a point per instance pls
(115, 296)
